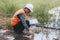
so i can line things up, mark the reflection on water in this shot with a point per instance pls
(50, 35)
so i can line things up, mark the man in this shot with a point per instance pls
(18, 21)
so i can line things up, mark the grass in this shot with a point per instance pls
(41, 7)
(10, 5)
(8, 24)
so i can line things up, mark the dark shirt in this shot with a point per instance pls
(22, 18)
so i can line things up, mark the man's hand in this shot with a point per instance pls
(31, 33)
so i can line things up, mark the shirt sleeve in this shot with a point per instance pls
(22, 18)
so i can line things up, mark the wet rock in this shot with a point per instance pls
(3, 31)
(0, 27)
(20, 37)
(56, 38)
(35, 29)
(10, 35)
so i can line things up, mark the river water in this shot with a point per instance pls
(43, 35)
(50, 35)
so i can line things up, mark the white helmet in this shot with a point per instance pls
(30, 7)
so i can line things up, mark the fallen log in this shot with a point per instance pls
(53, 28)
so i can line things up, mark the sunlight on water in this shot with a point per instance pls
(42, 36)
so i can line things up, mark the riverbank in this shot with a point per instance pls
(4, 32)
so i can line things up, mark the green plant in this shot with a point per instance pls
(9, 23)
(7, 9)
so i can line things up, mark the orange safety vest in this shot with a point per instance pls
(15, 20)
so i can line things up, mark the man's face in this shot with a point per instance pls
(27, 10)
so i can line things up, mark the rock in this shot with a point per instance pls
(56, 38)
(0, 27)
(35, 29)
(12, 35)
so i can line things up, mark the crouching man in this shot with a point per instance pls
(18, 21)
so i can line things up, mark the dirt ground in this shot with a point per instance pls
(16, 36)
(3, 21)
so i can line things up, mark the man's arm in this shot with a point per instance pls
(22, 18)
